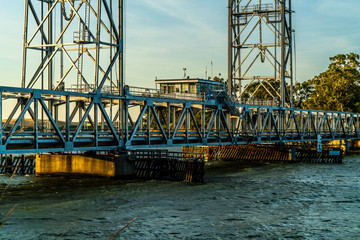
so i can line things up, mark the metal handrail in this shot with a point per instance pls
(257, 7)
(150, 92)
(258, 102)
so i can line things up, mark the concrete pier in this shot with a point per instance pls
(117, 166)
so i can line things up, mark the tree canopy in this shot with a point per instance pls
(336, 89)
(266, 90)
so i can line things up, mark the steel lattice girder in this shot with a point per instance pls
(153, 122)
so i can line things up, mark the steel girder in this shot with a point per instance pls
(91, 122)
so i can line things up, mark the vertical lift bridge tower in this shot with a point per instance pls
(260, 50)
(74, 45)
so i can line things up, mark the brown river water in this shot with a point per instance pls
(270, 201)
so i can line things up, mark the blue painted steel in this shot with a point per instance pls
(253, 124)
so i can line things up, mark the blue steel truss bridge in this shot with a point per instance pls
(156, 121)
(73, 98)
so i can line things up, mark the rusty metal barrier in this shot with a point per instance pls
(165, 165)
(25, 164)
(269, 153)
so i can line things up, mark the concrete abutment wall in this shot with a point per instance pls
(117, 166)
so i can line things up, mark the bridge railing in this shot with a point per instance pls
(80, 89)
(259, 102)
(155, 93)
(90, 88)
(257, 7)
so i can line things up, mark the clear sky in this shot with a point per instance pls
(164, 36)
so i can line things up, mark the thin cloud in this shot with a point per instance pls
(188, 13)
(166, 36)
(339, 9)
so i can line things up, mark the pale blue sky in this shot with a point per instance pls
(163, 36)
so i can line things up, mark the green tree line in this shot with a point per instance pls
(336, 89)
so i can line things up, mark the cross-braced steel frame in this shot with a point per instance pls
(76, 46)
(260, 49)
(73, 43)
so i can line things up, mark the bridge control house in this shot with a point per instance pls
(187, 85)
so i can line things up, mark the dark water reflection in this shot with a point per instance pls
(279, 201)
